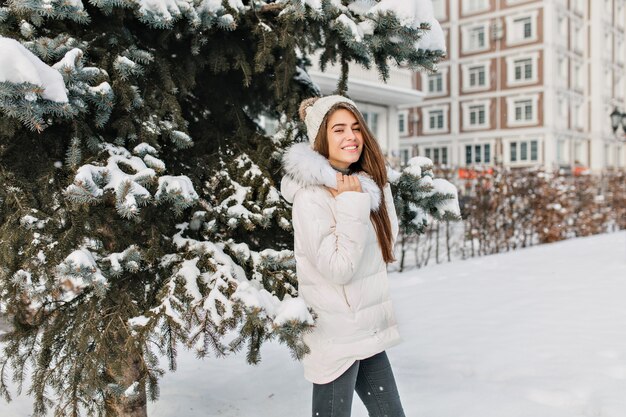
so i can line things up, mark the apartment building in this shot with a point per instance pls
(525, 83)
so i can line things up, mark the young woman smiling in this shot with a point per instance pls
(345, 226)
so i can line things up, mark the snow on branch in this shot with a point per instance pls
(78, 271)
(18, 65)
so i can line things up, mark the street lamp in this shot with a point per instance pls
(618, 118)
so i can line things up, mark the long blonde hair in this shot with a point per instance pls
(372, 162)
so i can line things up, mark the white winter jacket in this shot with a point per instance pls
(340, 268)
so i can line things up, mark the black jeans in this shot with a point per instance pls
(372, 379)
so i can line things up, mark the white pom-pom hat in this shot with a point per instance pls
(315, 113)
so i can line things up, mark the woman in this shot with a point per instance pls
(345, 226)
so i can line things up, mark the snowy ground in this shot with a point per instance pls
(539, 332)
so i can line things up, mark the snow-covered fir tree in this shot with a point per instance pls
(138, 207)
(421, 199)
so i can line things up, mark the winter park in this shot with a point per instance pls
(313, 207)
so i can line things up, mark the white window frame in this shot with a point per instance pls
(518, 143)
(579, 152)
(510, 104)
(444, 82)
(577, 112)
(426, 118)
(463, 152)
(429, 152)
(562, 65)
(466, 114)
(562, 151)
(578, 77)
(562, 29)
(465, 69)
(562, 111)
(466, 46)
(577, 35)
(513, 35)
(619, 13)
(510, 66)
(469, 8)
(405, 124)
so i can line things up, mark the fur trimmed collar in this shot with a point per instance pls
(303, 167)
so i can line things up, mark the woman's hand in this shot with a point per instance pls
(346, 183)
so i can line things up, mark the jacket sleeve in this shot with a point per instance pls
(391, 212)
(333, 245)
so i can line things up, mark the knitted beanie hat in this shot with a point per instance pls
(313, 110)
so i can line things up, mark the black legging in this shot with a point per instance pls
(372, 379)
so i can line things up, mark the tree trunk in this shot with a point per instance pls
(134, 405)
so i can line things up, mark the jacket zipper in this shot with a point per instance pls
(345, 296)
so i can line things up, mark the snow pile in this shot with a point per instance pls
(19, 65)
(450, 205)
(177, 189)
(91, 182)
(414, 13)
(77, 271)
(410, 13)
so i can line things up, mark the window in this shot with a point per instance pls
(404, 157)
(523, 110)
(471, 6)
(577, 115)
(403, 123)
(476, 154)
(563, 29)
(577, 76)
(522, 70)
(371, 118)
(561, 152)
(524, 151)
(438, 155)
(577, 38)
(435, 83)
(477, 115)
(477, 77)
(436, 119)
(477, 38)
(523, 28)
(578, 153)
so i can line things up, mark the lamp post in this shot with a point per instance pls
(618, 118)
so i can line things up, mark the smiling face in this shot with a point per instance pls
(345, 141)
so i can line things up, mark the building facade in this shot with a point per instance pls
(525, 83)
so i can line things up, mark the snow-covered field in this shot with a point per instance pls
(540, 332)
